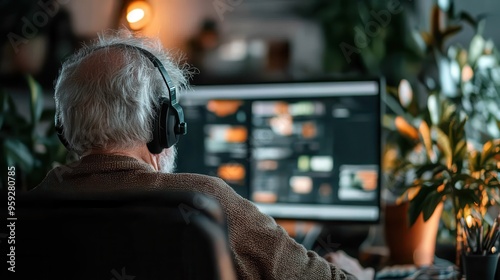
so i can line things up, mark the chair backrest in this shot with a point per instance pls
(120, 235)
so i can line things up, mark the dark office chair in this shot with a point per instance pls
(121, 236)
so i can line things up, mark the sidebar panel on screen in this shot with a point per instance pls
(217, 142)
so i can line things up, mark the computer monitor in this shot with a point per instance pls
(301, 150)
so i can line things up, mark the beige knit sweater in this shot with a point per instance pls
(262, 249)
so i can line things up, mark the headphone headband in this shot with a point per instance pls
(157, 63)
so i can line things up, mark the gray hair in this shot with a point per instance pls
(105, 94)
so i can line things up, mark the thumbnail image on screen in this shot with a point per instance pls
(297, 150)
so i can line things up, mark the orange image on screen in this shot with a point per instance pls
(223, 108)
(281, 108)
(264, 197)
(369, 179)
(282, 125)
(236, 134)
(231, 172)
(267, 165)
(309, 130)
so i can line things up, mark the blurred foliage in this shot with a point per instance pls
(368, 37)
(376, 38)
(27, 136)
(24, 142)
(468, 75)
(447, 150)
(442, 103)
(444, 166)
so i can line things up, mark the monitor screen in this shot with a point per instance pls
(302, 150)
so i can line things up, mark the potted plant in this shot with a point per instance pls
(459, 174)
(443, 167)
(428, 143)
(415, 139)
(28, 139)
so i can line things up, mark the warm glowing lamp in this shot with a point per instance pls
(138, 14)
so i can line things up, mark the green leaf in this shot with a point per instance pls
(458, 131)
(449, 112)
(475, 161)
(460, 149)
(467, 179)
(450, 31)
(493, 194)
(388, 122)
(448, 219)
(416, 205)
(405, 93)
(425, 136)
(434, 108)
(16, 153)
(431, 202)
(466, 197)
(481, 23)
(423, 202)
(436, 168)
(11, 107)
(36, 100)
(468, 18)
(444, 143)
(476, 48)
(424, 198)
(444, 5)
(490, 150)
(394, 105)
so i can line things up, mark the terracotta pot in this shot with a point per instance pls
(410, 245)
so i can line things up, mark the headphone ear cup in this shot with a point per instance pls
(160, 121)
(168, 125)
(154, 146)
(172, 121)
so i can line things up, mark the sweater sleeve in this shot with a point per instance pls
(263, 249)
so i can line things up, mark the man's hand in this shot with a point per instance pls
(350, 265)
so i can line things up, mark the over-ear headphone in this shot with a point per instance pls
(168, 124)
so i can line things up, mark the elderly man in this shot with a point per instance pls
(111, 101)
